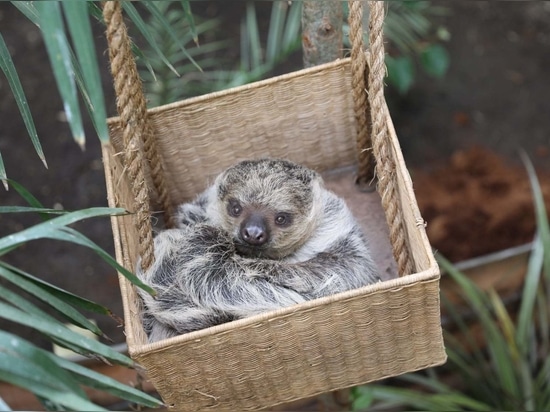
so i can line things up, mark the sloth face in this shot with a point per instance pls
(268, 206)
(256, 227)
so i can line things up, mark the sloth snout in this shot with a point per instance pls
(254, 231)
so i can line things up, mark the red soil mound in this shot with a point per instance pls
(477, 204)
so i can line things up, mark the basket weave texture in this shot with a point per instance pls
(378, 331)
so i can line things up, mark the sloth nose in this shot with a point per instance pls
(254, 235)
(254, 231)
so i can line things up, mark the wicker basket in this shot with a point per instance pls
(378, 331)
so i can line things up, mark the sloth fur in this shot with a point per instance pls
(265, 235)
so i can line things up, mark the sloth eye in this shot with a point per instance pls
(282, 219)
(234, 209)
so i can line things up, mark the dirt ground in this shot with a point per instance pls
(477, 204)
(494, 96)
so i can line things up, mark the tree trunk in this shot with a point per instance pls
(321, 31)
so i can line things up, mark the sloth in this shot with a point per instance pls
(264, 236)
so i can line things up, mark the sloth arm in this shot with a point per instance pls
(197, 267)
(342, 266)
(227, 277)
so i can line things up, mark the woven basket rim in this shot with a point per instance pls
(429, 275)
(238, 89)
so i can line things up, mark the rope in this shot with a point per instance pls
(385, 162)
(365, 171)
(137, 133)
(135, 91)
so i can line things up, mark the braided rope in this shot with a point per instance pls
(385, 162)
(365, 171)
(134, 91)
(137, 133)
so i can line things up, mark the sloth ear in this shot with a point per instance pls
(307, 176)
(220, 187)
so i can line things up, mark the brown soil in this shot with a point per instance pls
(477, 204)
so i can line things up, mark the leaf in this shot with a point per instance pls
(400, 72)
(29, 308)
(57, 45)
(428, 382)
(496, 343)
(53, 301)
(529, 293)
(543, 320)
(24, 365)
(81, 33)
(95, 11)
(25, 194)
(186, 7)
(102, 382)
(435, 60)
(438, 402)
(67, 297)
(23, 304)
(142, 27)
(48, 229)
(149, 5)
(276, 30)
(540, 212)
(480, 379)
(63, 335)
(29, 10)
(3, 175)
(252, 35)
(4, 406)
(24, 209)
(56, 229)
(74, 236)
(506, 324)
(401, 34)
(362, 398)
(291, 35)
(20, 348)
(9, 70)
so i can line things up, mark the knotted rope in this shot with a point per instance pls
(381, 144)
(137, 134)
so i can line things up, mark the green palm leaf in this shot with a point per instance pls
(57, 292)
(7, 66)
(62, 335)
(50, 299)
(57, 229)
(23, 365)
(57, 45)
(76, 13)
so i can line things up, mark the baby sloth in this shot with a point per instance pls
(265, 235)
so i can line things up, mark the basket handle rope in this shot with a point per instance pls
(361, 104)
(372, 98)
(139, 142)
(138, 138)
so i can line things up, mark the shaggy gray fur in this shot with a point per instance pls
(265, 235)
